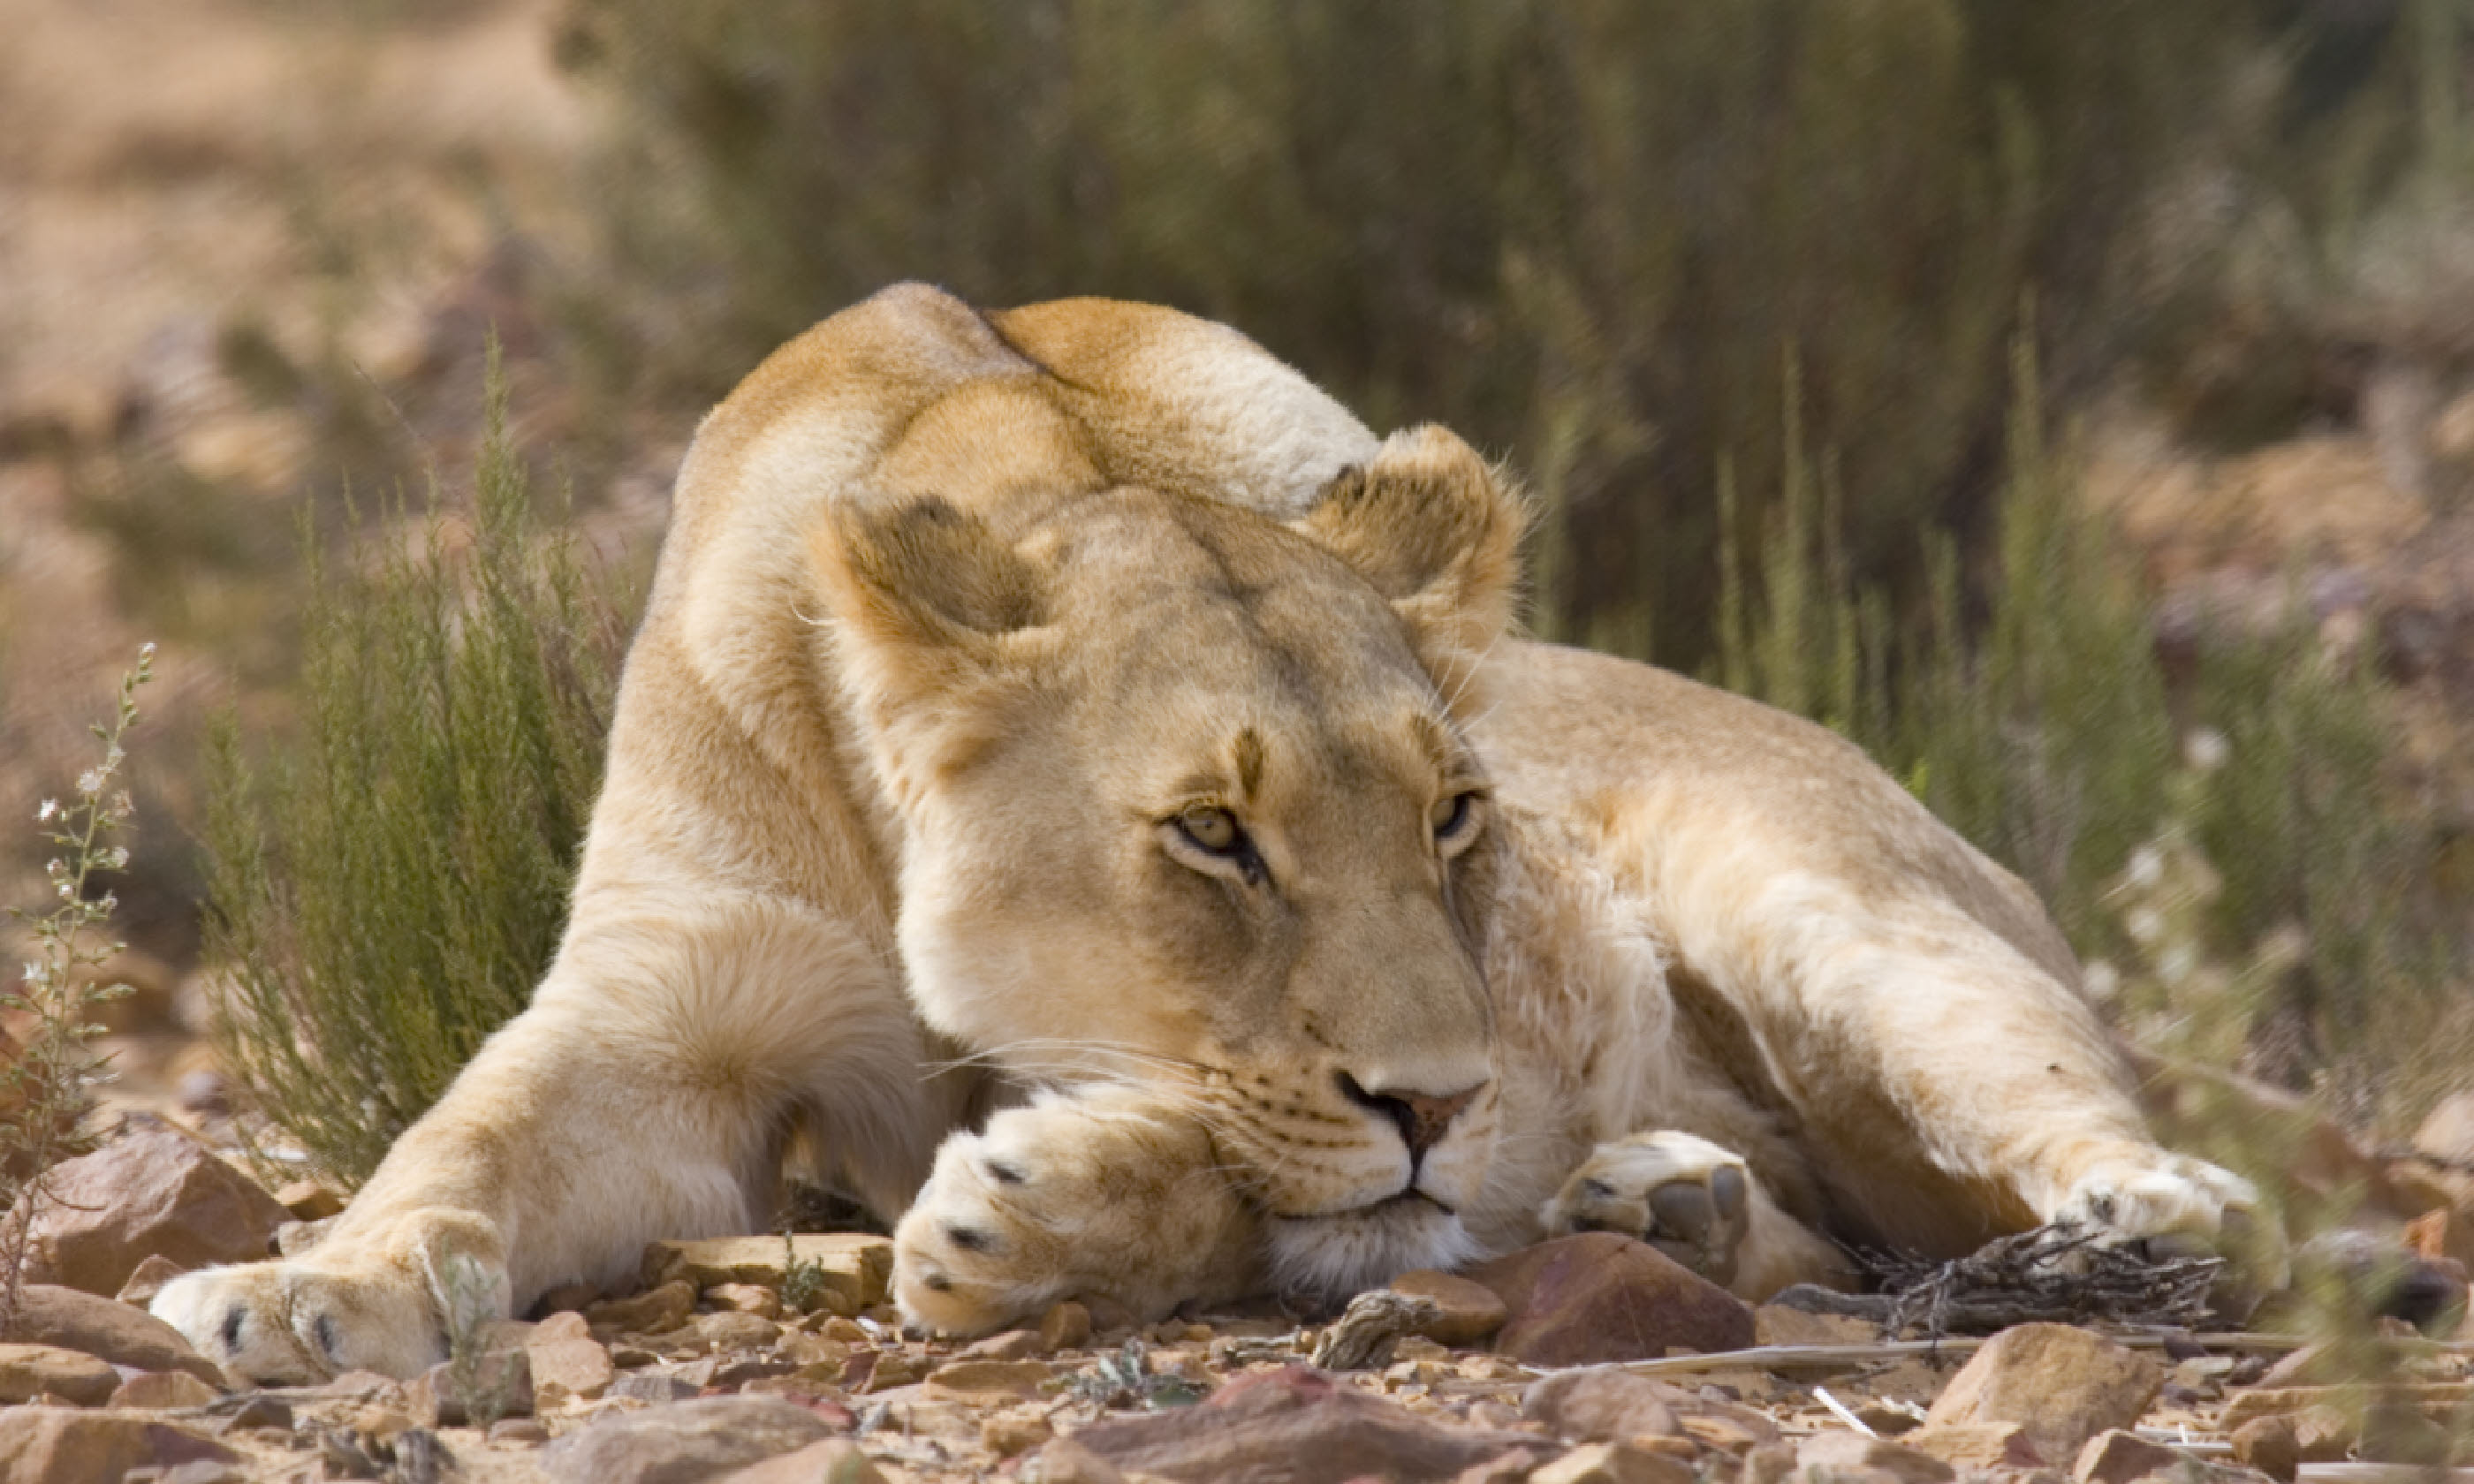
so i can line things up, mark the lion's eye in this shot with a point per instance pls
(1213, 829)
(1451, 816)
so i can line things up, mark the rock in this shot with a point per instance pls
(162, 1391)
(55, 1446)
(690, 1440)
(1513, 1467)
(1775, 1323)
(1853, 1453)
(518, 1432)
(649, 1386)
(851, 1269)
(1597, 1406)
(1012, 1345)
(197, 1470)
(1066, 1325)
(485, 1389)
(1600, 1296)
(2268, 1444)
(1295, 1427)
(310, 1200)
(833, 1460)
(730, 1330)
(574, 1364)
(985, 1382)
(1008, 1433)
(1613, 1463)
(746, 1298)
(1973, 1445)
(48, 1314)
(1068, 1462)
(30, 1371)
(147, 1279)
(661, 1309)
(2059, 1385)
(2119, 1456)
(1470, 1310)
(156, 1193)
(566, 1299)
(2437, 1400)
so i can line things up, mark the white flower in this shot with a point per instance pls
(2206, 750)
(91, 782)
(48, 812)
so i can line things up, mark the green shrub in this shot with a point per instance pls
(388, 883)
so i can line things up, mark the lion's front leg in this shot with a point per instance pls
(1701, 1205)
(1103, 1194)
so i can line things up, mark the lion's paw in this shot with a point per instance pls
(1679, 1192)
(1101, 1196)
(384, 1304)
(2172, 1206)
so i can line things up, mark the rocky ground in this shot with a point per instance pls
(1588, 1360)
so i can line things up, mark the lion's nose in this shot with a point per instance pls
(1421, 1117)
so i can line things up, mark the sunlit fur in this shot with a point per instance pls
(958, 615)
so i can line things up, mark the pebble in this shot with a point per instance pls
(29, 1372)
(2059, 1385)
(162, 1391)
(1066, 1325)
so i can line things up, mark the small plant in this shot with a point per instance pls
(46, 1091)
(802, 1279)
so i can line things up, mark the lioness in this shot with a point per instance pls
(1075, 783)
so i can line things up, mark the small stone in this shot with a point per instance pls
(1470, 1310)
(655, 1311)
(652, 1387)
(155, 1193)
(1066, 1325)
(987, 1380)
(848, 1332)
(1602, 1405)
(746, 1298)
(1065, 1461)
(518, 1432)
(59, 1446)
(578, 1366)
(2324, 1434)
(564, 1324)
(1600, 1296)
(690, 1440)
(1012, 1345)
(28, 1372)
(481, 1391)
(1769, 1464)
(310, 1200)
(1975, 1445)
(2118, 1457)
(2060, 1384)
(147, 1279)
(1853, 1453)
(833, 1460)
(851, 1269)
(1008, 1433)
(2268, 1444)
(729, 1330)
(162, 1391)
(1613, 1463)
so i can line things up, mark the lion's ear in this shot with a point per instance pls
(924, 594)
(1436, 531)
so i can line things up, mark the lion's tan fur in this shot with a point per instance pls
(957, 612)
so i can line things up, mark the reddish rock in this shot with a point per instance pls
(156, 1193)
(31, 1371)
(1012, 1345)
(1853, 1453)
(1599, 1297)
(148, 1280)
(1066, 1325)
(48, 1314)
(2119, 1457)
(2268, 1444)
(1975, 1446)
(690, 1440)
(494, 1386)
(1613, 1463)
(162, 1391)
(1470, 1310)
(654, 1312)
(55, 1445)
(2059, 1385)
(574, 1364)
(1293, 1426)
(1599, 1405)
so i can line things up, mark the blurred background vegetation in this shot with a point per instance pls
(2072, 404)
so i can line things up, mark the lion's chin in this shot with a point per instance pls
(1331, 1257)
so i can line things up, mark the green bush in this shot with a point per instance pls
(388, 883)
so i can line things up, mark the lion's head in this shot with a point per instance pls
(1186, 799)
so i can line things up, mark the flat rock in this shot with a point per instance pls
(1292, 1426)
(833, 1460)
(1613, 1463)
(988, 1380)
(155, 1193)
(1599, 1297)
(576, 1364)
(1012, 1345)
(28, 1371)
(1603, 1405)
(1853, 1453)
(1470, 1310)
(690, 1440)
(854, 1269)
(162, 1391)
(1973, 1445)
(1775, 1323)
(2119, 1456)
(488, 1387)
(45, 1445)
(657, 1311)
(48, 1314)
(2060, 1384)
